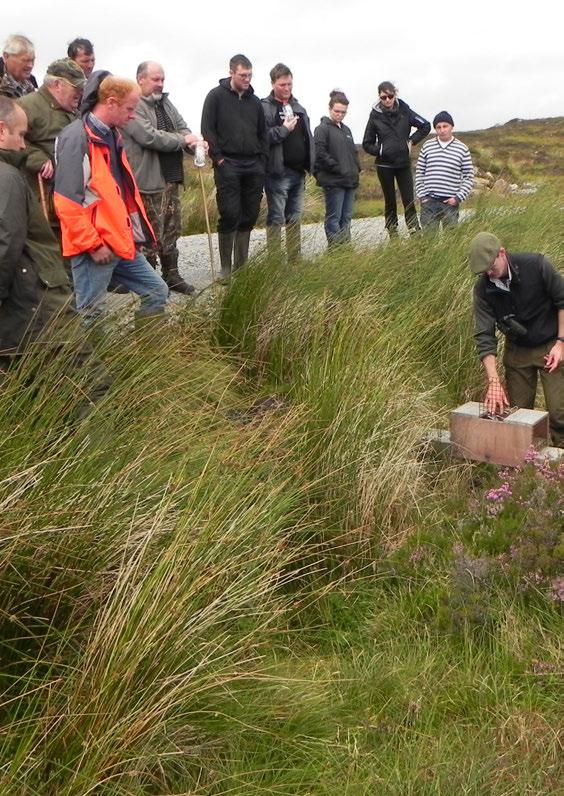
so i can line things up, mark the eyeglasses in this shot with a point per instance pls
(387, 96)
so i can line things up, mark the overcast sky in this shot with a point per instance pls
(484, 62)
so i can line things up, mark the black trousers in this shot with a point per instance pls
(238, 193)
(388, 176)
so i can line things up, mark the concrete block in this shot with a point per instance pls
(504, 441)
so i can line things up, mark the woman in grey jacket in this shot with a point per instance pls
(336, 169)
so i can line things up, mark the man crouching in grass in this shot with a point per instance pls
(522, 295)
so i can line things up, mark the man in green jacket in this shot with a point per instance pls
(48, 111)
(35, 293)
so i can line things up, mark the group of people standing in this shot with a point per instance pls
(269, 144)
(444, 171)
(102, 156)
(255, 146)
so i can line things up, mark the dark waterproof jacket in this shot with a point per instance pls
(536, 293)
(34, 288)
(277, 133)
(234, 126)
(337, 164)
(388, 132)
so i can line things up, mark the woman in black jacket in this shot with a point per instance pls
(336, 169)
(388, 137)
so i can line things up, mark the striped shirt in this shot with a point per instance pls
(444, 171)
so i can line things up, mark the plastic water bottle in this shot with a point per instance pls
(200, 154)
(288, 111)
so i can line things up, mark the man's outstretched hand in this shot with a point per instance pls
(496, 400)
(554, 356)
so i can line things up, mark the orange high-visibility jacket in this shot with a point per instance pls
(92, 208)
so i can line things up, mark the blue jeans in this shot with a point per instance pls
(91, 283)
(285, 197)
(433, 211)
(338, 214)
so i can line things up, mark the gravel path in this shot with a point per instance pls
(194, 262)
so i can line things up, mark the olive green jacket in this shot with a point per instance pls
(45, 119)
(35, 292)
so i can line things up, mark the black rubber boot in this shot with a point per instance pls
(172, 277)
(225, 241)
(241, 248)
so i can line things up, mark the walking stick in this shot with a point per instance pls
(212, 265)
(42, 196)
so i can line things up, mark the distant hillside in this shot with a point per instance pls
(518, 150)
(531, 147)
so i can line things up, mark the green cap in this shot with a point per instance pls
(69, 70)
(483, 251)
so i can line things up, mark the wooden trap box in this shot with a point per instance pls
(474, 436)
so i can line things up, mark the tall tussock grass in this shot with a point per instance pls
(195, 592)
(378, 345)
(148, 550)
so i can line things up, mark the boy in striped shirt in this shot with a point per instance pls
(444, 175)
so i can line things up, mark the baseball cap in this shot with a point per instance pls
(68, 70)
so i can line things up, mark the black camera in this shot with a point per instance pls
(510, 326)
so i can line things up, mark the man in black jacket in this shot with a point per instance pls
(233, 125)
(389, 138)
(523, 295)
(290, 155)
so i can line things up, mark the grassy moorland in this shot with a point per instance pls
(244, 572)
(519, 151)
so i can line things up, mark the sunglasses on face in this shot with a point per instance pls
(387, 96)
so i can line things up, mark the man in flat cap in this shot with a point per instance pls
(523, 296)
(48, 111)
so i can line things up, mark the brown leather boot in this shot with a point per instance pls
(171, 276)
